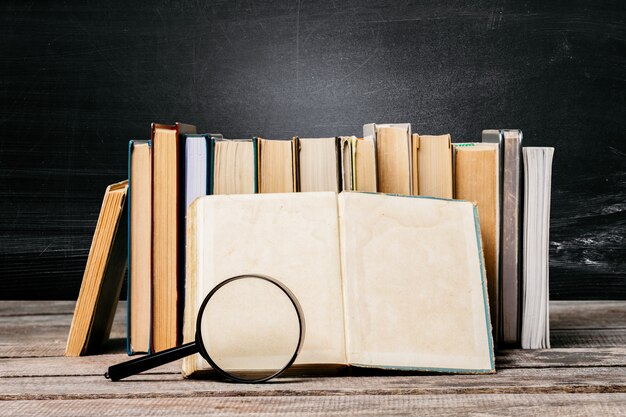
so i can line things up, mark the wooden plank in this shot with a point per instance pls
(583, 405)
(551, 358)
(506, 381)
(587, 314)
(94, 365)
(34, 330)
(56, 349)
(39, 349)
(30, 307)
(568, 338)
(508, 359)
(584, 380)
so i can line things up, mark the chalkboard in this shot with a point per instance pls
(79, 79)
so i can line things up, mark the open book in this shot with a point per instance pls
(384, 281)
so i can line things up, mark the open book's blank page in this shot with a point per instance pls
(291, 237)
(414, 284)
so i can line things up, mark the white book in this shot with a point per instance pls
(196, 167)
(536, 295)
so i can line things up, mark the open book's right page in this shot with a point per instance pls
(414, 284)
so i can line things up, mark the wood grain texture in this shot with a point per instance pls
(45, 365)
(80, 80)
(40, 328)
(562, 358)
(15, 308)
(588, 338)
(587, 315)
(569, 382)
(583, 405)
(507, 381)
(363, 405)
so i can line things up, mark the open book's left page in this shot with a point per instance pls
(291, 237)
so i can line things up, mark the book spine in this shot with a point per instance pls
(338, 167)
(510, 259)
(207, 153)
(295, 164)
(129, 272)
(165, 263)
(211, 165)
(257, 177)
(129, 351)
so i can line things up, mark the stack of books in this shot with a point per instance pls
(509, 186)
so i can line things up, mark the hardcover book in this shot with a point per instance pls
(103, 277)
(319, 164)
(384, 281)
(432, 165)
(510, 142)
(393, 156)
(197, 166)
(168, 214)
(233, 166)
(358, 164)
(477, 179)
(139, 321)
(277, 165)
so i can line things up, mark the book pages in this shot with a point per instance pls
(432, 165)
(477, 179)
(414, 284)
(393, 153)
(319, 170)
(234, 167)
(536, 290)
(292, 237)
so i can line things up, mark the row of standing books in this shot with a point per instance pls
(509, 184)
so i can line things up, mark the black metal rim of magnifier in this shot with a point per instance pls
(301, 324)
(144, 363)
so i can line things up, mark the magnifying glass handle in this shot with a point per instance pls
(135, 366)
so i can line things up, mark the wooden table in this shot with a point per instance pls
(584, 374)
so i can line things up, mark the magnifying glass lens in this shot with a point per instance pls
(249, 328)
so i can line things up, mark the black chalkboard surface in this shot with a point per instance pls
(79, 79)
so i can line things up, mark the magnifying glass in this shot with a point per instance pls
(249, 328)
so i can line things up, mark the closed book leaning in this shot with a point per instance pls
(168, 213)
(103, 276)
(139, 308)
